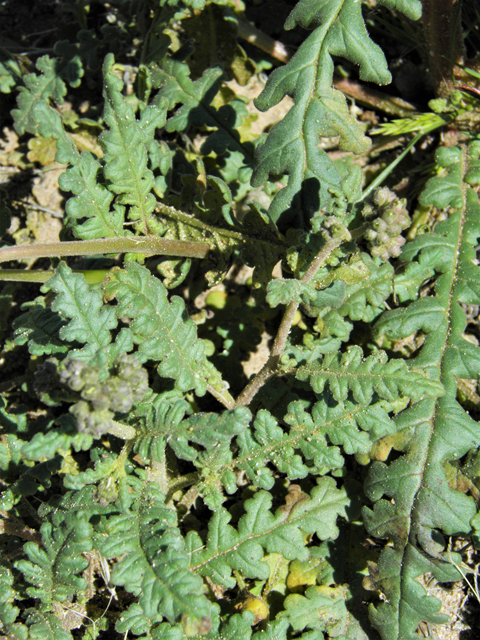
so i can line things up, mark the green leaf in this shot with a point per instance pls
(365, 299)
(125, 143)
(162, 329)
(154, 561)
(92, 200)
(172, 78)
(53, 569)
(209, 430)
(90, 322)
(419, 504)
(362, 377)
(40, 328)
(8, 611)
(281, 291)
(10, 72)
(322, 608)
(38, 89)
(259, 531)
(291, 147)
(309, 442)
(134, 619)
(45, 626)
(44, 446)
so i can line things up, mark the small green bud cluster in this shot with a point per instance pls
(97, 397)
(388, 218)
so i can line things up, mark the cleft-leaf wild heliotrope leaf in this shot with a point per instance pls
(319, 110)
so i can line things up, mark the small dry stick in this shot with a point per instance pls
(269, 368)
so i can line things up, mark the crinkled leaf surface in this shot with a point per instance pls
(154, 565)
(53, 568)
(418, 502)
(125, 144)
(260, 531)
(319, 110)
(90, 322)
(162, 329)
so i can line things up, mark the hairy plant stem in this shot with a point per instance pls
(446, 52)
(269, 368)
(223, 396)
(181, 483)
(123, 431)
(158, 473)
(145, 245)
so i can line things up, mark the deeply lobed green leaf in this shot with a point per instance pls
(423, 502)
(162, 329)
(319, 110)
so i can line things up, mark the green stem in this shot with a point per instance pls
(22, 275)
(383, 175)
(123, 431)
(145, 245)
(94, 276)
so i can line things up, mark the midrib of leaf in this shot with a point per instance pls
(140, 206)
(255, 536)
(429, 448)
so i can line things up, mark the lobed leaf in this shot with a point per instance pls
(125, 145)
(162, 329)
(260, 531)
(38, 88)
(362, 377)
(309, 443)
(40, 328)
(291, 147)
(154, 561)
(8, 611)
(419, 503)
(172, 78)
(92, 200)
(45, 626)
(90, 322)
(282, 291)
(53, 569)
